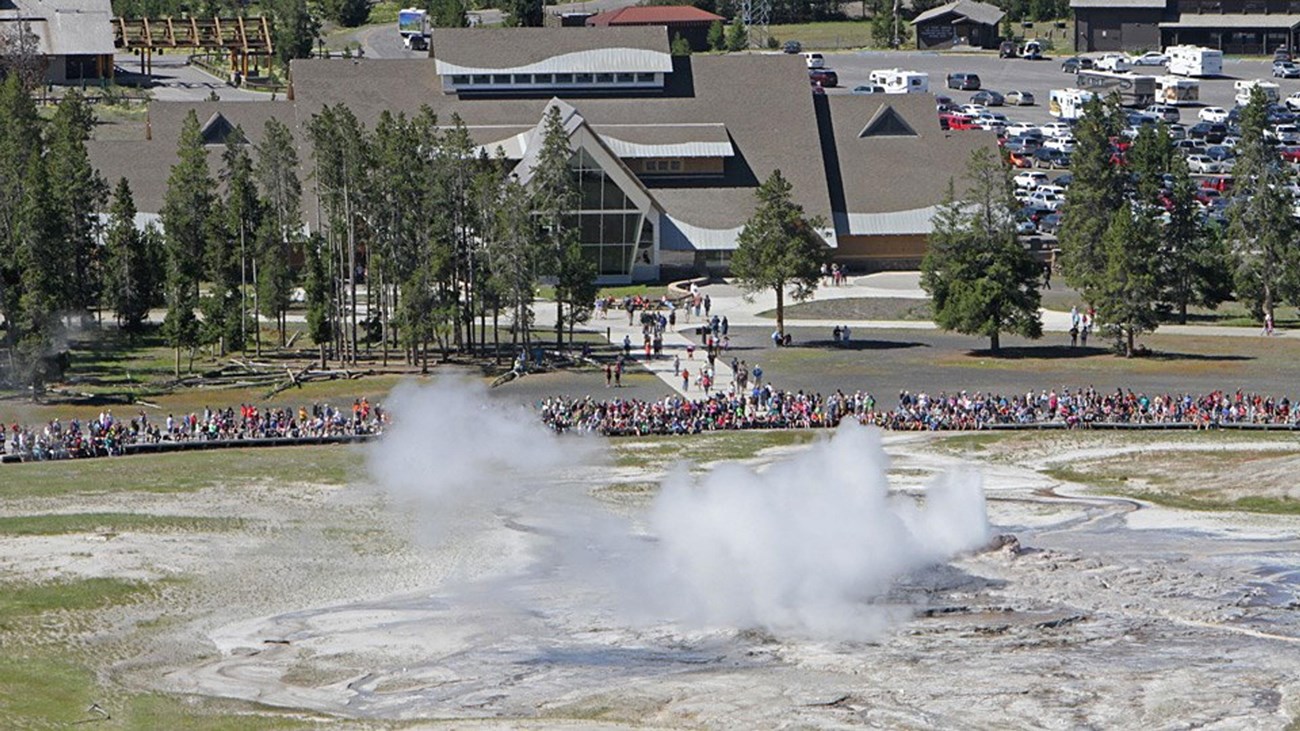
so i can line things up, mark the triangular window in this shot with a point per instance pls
(887, 123)
(218, 130)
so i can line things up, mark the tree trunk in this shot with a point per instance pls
(1182, 312)
(178, 361)
(994, 341)
(383, 314)
(1128, 353)
(780, 309)
(257, 312)
(496, 334)
(1268, 301)
(321, 347)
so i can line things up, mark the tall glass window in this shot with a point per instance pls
(609, 223)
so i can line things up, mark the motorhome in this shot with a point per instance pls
(898, 81)
(413, 26)
(1032, 51)
(1246, 86)
(1195, 61)
(1067, 103)
(1133, 90)
(1177, 90)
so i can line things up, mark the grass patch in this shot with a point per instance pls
(651, 291)
(1095, 479)
(857, 308)
(1253, 504)
(184, 471)
(62, 524)
(973, 442)
(828, 35)
(22, 600)
(659, 451)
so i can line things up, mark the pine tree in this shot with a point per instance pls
(1196, 268)
(78, 193)
(39, 325)
(737, 36)
(277, 233)
(243, 213)
(318, 296)
(20, 142)
(347, 13)
(295, 30)
(717, 36)
(1127, 294)
(679, 46)
(981, 280)
(187, 222)
(555, 194)
(779, 247)
(127, 272)
(1096, 194)
(1262, 231)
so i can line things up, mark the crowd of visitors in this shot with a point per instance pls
(107, 434)
(766, 407)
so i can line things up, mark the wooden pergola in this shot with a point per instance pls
(242, 38)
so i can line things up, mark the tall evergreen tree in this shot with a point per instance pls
(1127, 294)
(295, 30)
(243, 212)
(1196, 268)
(1262, 231)
(39, 325)
(981, 280)
(737, 36)
(347, 13)
(129, 282)
(20, 142)
(717, 36)
(555, 196)
(318, 296)
(78, 193)
(779, 247)
(187, 223)
(525, 13)
(277, 231)
(1096, 194)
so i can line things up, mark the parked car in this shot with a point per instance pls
(1020, 98)
(1188, 146)
(1026, 227)
(824, 78)
(988, 98)
(1056, 129)
(1167, 112)
(1075, 64)
(1030, 180)
(963, 81)
(1020, 158)
(1046, 199)
(1150, 58)
(1061, 144)
(944, 99)
(1208, 132)
(1046, 157)
(1113, 62)
(1065, 180)
(1024, 143)
(974, 109)
(1050, 224)
(868, 89)
(792, 47)
(1219, 153)
(1022, 129)
(1202, 165)
(814, 60)
(1290, 153)
(956, 120)
(1286, 70)
(1212, 114)
(1007, 49)
(1282, 54)
(1176, 131)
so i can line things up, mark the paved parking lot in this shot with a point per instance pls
(1037, 77)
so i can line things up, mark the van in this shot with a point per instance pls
(964, 81)
(814, 60)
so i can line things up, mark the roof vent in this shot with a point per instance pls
(887, 123)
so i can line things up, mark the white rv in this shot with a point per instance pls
(1195, 61)
(1177, 90)
(1067, 103)
(1246, 86)
(898, 81)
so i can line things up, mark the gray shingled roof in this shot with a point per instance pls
(1233, 20)
(66, 27)
(891, 183)
(975, 11)
(552, 50)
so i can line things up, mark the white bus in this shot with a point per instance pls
(1194, 61)
(898, 81)
(1067, 103)
(1246, 86)
(1177, 90)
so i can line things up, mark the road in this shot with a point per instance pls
(1038, 77)
(177, 81)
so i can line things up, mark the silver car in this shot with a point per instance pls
(1019, 98)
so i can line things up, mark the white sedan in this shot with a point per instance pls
(1061, 144)
(1213, 114)
(1150, 58)
(1056, 129)
(1293, 102)
(1203, 165)
(1030, 180)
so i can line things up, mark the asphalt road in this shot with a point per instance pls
(175, 80)
(1037, 77)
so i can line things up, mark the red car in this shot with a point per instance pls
(1290, 154)
(824, 78)
(1220, 183)
(956, 121)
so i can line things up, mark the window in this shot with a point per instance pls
(564, 78)
(460, 79)
(482, 79)
(523, 78)
(645, 78)
(582, 78)
(626, 78)
(543, 78)
(604, 78)
(500, 78)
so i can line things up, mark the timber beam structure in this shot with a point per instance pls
(242, 38)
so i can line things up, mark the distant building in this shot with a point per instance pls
(1256, 27)
(961, 23)
(74, 36)
(687, 21)
(668, 151)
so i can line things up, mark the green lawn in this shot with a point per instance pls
(830, 35)
(64, 523)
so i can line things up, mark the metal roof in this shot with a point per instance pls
(66, 27)
(620, 49)
(1119, 4)
(914, 221)
(1233, 20)
(666, 140)
(975, 11)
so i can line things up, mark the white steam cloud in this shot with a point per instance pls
(803, 547)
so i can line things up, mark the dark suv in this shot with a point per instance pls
(964, 81)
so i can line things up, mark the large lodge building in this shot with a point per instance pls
(669, 150)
